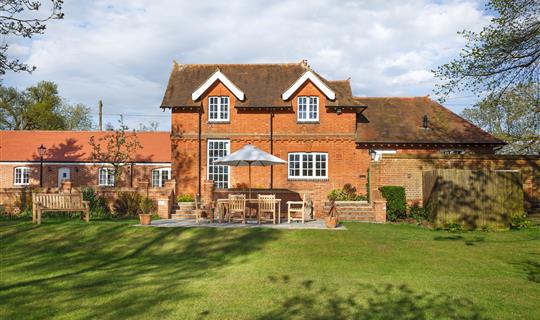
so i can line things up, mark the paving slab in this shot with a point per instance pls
(190, 223)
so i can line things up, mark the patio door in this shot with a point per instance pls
(218, 173)
(63, 174)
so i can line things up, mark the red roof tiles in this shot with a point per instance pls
(72, 146)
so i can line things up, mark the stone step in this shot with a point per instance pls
(182, 216)
(356, 217)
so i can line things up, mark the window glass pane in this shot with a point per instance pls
(313, 108)
(213, 108)
(224, 110)
(302, 108)
(218, 173)
(155, 178)
(307, 165)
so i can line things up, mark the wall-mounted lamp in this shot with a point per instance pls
(339, 110)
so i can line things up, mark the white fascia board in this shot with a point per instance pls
(213, 78)
(329, 93)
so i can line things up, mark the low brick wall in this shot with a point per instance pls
(407, 171)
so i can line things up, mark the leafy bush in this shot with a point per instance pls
(453, 227)
(127, 204)
(97, 205)
(185, 198)
(519, 221)
(347, 193)
(418, 213)
(147, 205)
(396, 206)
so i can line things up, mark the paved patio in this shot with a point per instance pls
(190, 223)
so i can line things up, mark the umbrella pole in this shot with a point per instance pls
(250, 180)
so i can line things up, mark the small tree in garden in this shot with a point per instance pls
(116, 148)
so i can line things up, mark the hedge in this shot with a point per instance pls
(396, 205)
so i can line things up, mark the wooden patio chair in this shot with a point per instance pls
(237, 205)
(266, 204)
(202, 211)
(296, 210)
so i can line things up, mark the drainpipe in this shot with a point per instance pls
(271, 148)
(200, 151)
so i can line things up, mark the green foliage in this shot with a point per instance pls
(513, 117)
(40, 107)
(453, 227)
(396, 205)
(519, 221)
(147, 205)
(418, 213)
(185, 198)
(502, 54)
(127, 204)
(347, 193)
(97, 204)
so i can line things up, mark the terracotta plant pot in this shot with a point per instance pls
(331, 222)
(145, 219)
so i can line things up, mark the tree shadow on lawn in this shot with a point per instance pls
(305, 300)
(456, 237)
(97, 272)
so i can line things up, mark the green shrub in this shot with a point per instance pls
(453, 227)
(396, 206)
(519, 221)
(347, 193)
(98, 209)
(147, 205)
(418, 213)
(127, 204)
(185, 198)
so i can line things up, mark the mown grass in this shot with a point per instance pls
(67, 269)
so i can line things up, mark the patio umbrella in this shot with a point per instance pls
(249, 155)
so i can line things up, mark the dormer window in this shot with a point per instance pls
(218, 109)
(308, 109)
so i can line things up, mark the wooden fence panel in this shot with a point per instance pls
(473, 198)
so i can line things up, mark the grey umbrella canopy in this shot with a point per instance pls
(249, 155)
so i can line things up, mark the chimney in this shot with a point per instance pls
(100, 107)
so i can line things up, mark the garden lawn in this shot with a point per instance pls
(67, 269)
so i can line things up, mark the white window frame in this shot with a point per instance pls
(109, 177)
(309, 109)
(220, 115)
(160, 180)
(301, 166)
(24, 171)
(228, 148)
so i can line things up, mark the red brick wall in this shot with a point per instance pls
(80, 175)
(406, 171)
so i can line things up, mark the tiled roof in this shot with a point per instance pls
(263, 84)
(72, 146)
(400, 120)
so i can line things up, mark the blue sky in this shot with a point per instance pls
(122, 51)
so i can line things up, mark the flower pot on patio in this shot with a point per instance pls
(145, 218)
(186, 207)
(331, 222)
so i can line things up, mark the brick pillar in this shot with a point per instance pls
(164, 207)
(379, 206)
(208, 192)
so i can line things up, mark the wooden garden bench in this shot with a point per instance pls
(44, 202)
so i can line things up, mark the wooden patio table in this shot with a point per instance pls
(223, 204)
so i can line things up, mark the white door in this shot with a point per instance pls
(63, 174)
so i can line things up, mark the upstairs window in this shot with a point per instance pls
(308, 165)
(218, 109)
(22, 176)
(308, 109)
(159, 176)
(106, 177)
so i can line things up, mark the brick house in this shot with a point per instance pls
(67, 157)
(327, 136)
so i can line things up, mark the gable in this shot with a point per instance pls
(215, 77)
(309, 76)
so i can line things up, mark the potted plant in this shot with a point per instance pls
(331, 219)
(186, 203)
(147, 207)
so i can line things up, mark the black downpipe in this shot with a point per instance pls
(200, 150)
(271, 148)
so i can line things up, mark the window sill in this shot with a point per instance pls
(308, 122)
(219, 122)
(308, 179)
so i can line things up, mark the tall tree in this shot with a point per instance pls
(504, 54)
(23, 18)
(40, 107)
(116, 148)
(513, 117)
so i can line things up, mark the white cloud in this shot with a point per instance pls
(122, 51)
